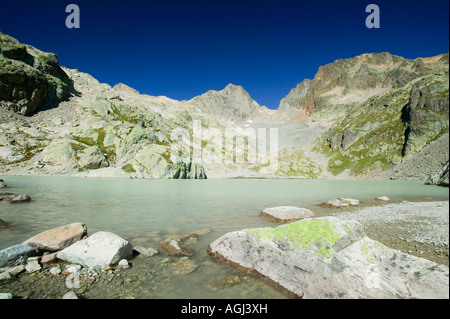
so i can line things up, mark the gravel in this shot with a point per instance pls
(420, 229)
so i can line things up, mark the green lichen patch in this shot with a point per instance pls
(302, 234)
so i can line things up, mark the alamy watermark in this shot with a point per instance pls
(373, 19)
(235, 145)
(73, 19)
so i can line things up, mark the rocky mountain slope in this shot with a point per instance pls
(30, 80)
(380, 109)
(358, 118)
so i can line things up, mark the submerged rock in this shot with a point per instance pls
(146, 252)
(196, 233)
(330, 258)
(286, 214)
(173, 247)
(21, 199)
(3, 224)
(98, 250)
(383, 199)
(183, 266)
(58, 238)
(3, 184)
(334, 203)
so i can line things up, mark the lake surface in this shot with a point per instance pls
(146, 212)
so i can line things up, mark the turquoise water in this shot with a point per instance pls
(148, 211)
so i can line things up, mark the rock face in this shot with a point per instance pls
(30, 80)
(17, 254)
(381, 110)
(98, 250)
(58, 238)
(233, 103)
(326, 257)
(441, 178)
(286, 214)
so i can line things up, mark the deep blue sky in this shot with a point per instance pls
(182, 48)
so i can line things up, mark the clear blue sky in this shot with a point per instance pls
(182, 48)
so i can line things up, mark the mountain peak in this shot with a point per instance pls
(233, 102)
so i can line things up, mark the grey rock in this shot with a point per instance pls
(124, 264)
(285, 214)
(33, 266)
(6, 295)
(21, 199)
(146, 252)
(70, 295)
(17, 254)
(98, 250)
(71, 269)
(334, 203)
(4, 276)
(55, 271)
(16, 270)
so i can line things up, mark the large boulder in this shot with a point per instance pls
(98, 250)
(330, 258)
(58, 238)
(285, 214)
(17, 254)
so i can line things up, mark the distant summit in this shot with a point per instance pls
(233, 102)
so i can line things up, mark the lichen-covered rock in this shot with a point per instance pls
(330, 258)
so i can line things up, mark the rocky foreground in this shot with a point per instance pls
(326, 257)
(305, 256)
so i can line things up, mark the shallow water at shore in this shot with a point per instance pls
(146, 212)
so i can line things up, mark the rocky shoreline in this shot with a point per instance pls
(66, 263)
